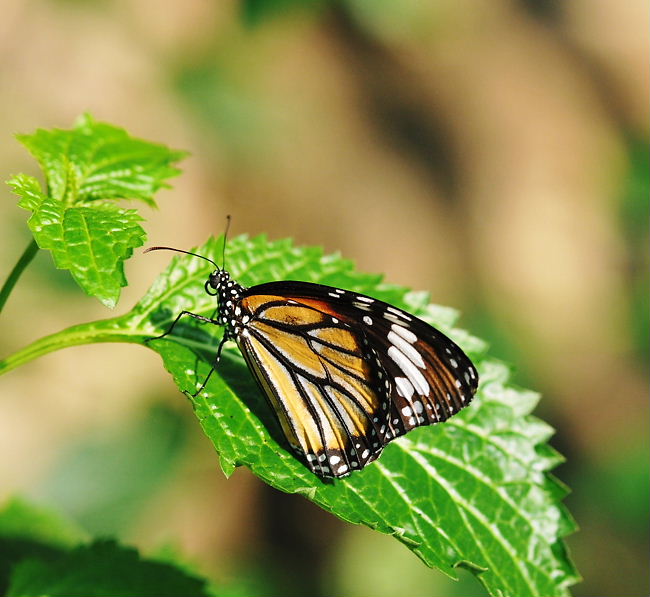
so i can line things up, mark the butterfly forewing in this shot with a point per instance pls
(322, 377)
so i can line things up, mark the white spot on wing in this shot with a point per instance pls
(392, 317)
(408, 335)
(360, 305)
(398, 312)
(413, 355)
(404, 388)
(410, 370)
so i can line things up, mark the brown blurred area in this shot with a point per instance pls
(484, 151)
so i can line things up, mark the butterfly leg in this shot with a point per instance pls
(171, 327)
(196, 362)
(214, 366)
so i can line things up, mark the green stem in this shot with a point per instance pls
(23, 262)
(87, 333)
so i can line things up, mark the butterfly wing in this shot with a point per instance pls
(431, 377)
(322, 378)
(347, 373)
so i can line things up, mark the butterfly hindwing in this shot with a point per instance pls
(432, 379)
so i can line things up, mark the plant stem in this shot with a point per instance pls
(87, 333)
(23, 262)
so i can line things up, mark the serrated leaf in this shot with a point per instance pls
(472, 492)
(96, 160)
(73, 218)
(103, 568)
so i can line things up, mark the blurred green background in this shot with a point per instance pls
(494, 153)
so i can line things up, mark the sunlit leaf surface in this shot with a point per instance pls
(74, 216)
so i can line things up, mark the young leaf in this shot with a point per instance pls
(102, 568)
(73, 217)
(473, 492)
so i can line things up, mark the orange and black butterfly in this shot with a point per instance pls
(344, 373)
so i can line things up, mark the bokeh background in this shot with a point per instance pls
(492, 152)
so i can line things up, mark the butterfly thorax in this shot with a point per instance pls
(229, 293)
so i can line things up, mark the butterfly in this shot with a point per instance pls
(343, 372)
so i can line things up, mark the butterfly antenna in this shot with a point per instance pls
(180, 251)
(225, 236)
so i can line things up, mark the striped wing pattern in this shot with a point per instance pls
(432, 378)
(346, 373)
(322, 378)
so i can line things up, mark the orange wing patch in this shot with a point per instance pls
(319, 381)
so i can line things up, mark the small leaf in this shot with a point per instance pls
(96, 160)
(73, 218)
(102, 568)
(472, 492)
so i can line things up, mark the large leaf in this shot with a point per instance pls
(473, 492)
(73, 216)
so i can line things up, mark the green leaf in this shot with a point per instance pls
(20, 519)
(28, 531)
(96, 160)
(472, 492)
(102, 568)
(74, 217)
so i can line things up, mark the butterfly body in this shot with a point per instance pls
(345, 373)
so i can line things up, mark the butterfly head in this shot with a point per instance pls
(217, 282)
(221, 285)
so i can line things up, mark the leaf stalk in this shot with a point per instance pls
(88, 333)
(21, 265)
